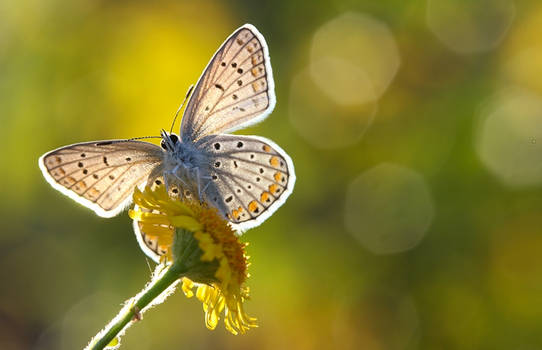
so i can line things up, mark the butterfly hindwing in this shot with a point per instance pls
(245, 177)
(250, 177)
(153, 236)
(235, 90)
(100, 175)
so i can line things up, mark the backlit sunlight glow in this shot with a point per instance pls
(468, 27)
(321, 121)
(354, 58)
(509, 137)
(389, 208)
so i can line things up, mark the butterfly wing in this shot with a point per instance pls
(250, 177)
(235, 90)
(100, 175)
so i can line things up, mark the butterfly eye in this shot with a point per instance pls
(173, 138)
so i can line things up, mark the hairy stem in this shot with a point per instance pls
(137, 304)
(185, 246)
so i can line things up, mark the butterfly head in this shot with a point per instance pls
(169, 141)
(180, 154)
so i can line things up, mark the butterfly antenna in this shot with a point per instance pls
(144, 137)
(181, 106)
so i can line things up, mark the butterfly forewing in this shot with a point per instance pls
(250, 177)
(245, 177)
(101, 175)
(235, 90)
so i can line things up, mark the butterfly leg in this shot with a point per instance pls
(196, 170)
(174, 172)
(181, 180)
(164, 175)
(199, 177)
(205, 187)
(202, 191)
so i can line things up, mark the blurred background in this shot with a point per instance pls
(416, 132)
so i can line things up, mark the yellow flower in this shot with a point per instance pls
(212, 259)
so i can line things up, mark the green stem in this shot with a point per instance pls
(152, 292)
(186, 262)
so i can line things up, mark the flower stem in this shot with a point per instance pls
(132, 312)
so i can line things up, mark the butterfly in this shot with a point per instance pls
(246, 178)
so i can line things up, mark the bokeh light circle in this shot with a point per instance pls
(521, 55)
(525, 68)
(354, 58)
(509, 139)
(468, 27)
(320, 121)
(389, 208)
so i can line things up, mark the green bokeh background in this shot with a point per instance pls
(73, 71)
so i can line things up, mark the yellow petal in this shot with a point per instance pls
(186, 222)
(187, 287)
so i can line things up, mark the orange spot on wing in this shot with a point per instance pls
(273, 188)
(252, 206)
(162, 249)
(266, 148)
(59, 172)
(265, 196)
(274, 161)
(69, 180)
(256, 87)
(151, 241)
(278, 176)
(93, 193)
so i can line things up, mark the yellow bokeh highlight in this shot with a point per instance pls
(521, 59)
(469, 27)
(509, 137)
(152, 63)
(354, 58)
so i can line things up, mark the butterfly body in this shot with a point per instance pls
(245, 177)
(183, 165)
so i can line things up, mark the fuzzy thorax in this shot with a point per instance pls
(183, 163)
